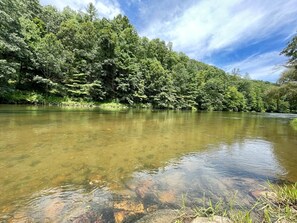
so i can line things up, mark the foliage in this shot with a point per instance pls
(112, 106)
(288, 79)
(291, 52)
(76, 55)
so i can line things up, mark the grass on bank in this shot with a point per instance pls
(276, 204)
(113, 106)
(33, 98)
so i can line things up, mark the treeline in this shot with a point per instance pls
(46, 53)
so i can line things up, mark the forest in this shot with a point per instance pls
(47, 55)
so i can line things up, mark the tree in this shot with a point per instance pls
(291, 52)
(288, 79)
(14, 51)
(91, 12)
(52, 19)
(49, 61)
(211, 95)
(78, 55)
(234, 100)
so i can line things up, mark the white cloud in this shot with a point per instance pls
(206, 27)
(265, 66)
(106, 8)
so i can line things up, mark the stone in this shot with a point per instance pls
(263, 193)
(144, 188)
(160, 216)
(54, 209)
(152, 208)
(129, 206)
(214, 219)
(96, 179)
(166, 197)
(119, 216)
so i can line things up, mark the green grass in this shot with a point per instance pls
(286, 194)
(112, 106)
(280, 204)
(23, 97)
(277, 204)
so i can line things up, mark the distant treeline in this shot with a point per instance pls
(46, 53)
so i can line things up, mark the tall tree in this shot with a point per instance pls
(288, 79)
(91, 12)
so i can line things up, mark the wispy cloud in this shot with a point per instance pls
(106, 8)
(207, 27)
(266, 66)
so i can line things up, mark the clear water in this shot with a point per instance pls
(65, 165)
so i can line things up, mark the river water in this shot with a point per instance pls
(86, 165)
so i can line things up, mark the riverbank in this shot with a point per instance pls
(277, 203)
(34, 98)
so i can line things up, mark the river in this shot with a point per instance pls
(67, 164)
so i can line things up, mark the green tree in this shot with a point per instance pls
(291, 52)
(49, 61)
(91, 12)
(234, 100)
(288, 79)
(211, 95)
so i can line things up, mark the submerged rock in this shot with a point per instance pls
(214, 219)
(53, 209)
(144, 188)
(167, 197)
(126, 210)
(120, 216)
(129, 206)
(160, 216)
(256, 194)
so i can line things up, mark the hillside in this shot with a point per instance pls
(48, 56)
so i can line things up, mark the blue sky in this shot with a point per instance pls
(244, 34)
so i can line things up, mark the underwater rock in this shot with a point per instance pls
(167, 197)
(214, 219)
(120, 216)
(129, 206)
(97, 179)
(144, 188)
(53, 209)
(160, 216)
(263, 193)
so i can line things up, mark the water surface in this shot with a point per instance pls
(64, 164)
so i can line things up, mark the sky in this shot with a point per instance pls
(231, 34)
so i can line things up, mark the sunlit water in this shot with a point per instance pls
(65, 165)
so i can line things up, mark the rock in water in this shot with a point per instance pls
(166, 197)
(214, 219)
(129, 206)
(126, 210)
(160, 216)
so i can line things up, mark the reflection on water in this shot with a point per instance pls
(67, 165)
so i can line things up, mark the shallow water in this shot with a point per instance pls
(64, 165)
